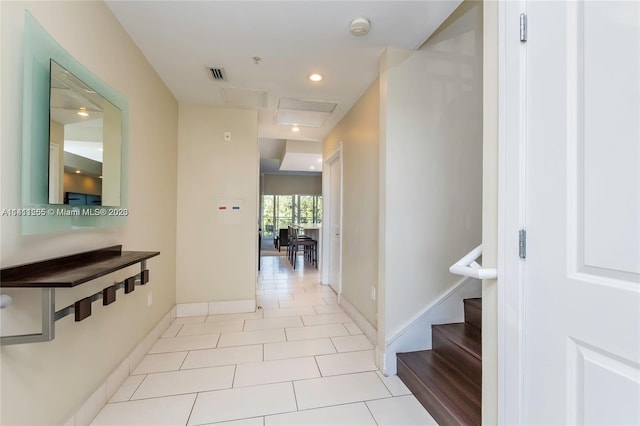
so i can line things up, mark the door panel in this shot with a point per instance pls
(604, 387)
(607, 132)
(582, 282)
(335, 227)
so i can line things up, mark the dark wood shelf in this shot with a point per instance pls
(73, 270)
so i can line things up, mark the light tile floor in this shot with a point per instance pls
(299, 360)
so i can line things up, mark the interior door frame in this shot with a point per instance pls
(511, 212)
(335, 154)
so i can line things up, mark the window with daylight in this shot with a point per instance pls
(280, 211)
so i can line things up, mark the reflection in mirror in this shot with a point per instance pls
(85, 143)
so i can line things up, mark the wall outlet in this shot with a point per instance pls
(373, 293)
(149, 299)
(227, 136)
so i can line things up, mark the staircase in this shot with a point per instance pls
(447, 380)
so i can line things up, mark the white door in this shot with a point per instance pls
(582, 213)
(335, 224)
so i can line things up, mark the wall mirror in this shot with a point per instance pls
(57, 87)
(85, 138)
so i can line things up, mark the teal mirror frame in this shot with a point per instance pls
(37, 215)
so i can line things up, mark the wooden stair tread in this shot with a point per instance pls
(448, 379)
(448, 395)
(461, 334)
(460, 344)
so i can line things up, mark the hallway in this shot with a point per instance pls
(299, 360)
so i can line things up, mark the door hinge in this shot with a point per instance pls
(523, 27)
(522, 244)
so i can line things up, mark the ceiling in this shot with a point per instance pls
(293, 39)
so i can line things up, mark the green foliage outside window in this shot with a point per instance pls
(280, 211)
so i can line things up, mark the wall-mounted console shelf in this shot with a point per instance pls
(71, 271)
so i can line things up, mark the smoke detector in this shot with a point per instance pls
(359, 26)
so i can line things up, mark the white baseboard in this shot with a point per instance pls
(416, 334)
(366, 327)
(214, 308)
(232, 306)
(92, 406)
(192, 309)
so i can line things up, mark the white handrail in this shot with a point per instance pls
(468, 267)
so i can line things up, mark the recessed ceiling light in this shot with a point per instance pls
(315, 77)
(312, 168)
(77, 171)
(83, 112)
(295, 129)
(100, 177)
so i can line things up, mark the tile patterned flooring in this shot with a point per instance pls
(299, 360)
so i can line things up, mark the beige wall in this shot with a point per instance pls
(291, 184)
(359, 132)
(217, 257)
(431, 166)
(490, 215)
(45, 383)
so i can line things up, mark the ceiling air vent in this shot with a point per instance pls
(218, 74)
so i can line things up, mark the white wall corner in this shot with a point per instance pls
(368, 330)
(232, 306)
(173, 314)
(416, 334)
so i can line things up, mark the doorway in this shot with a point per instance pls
(570, 314)
(332, 233)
